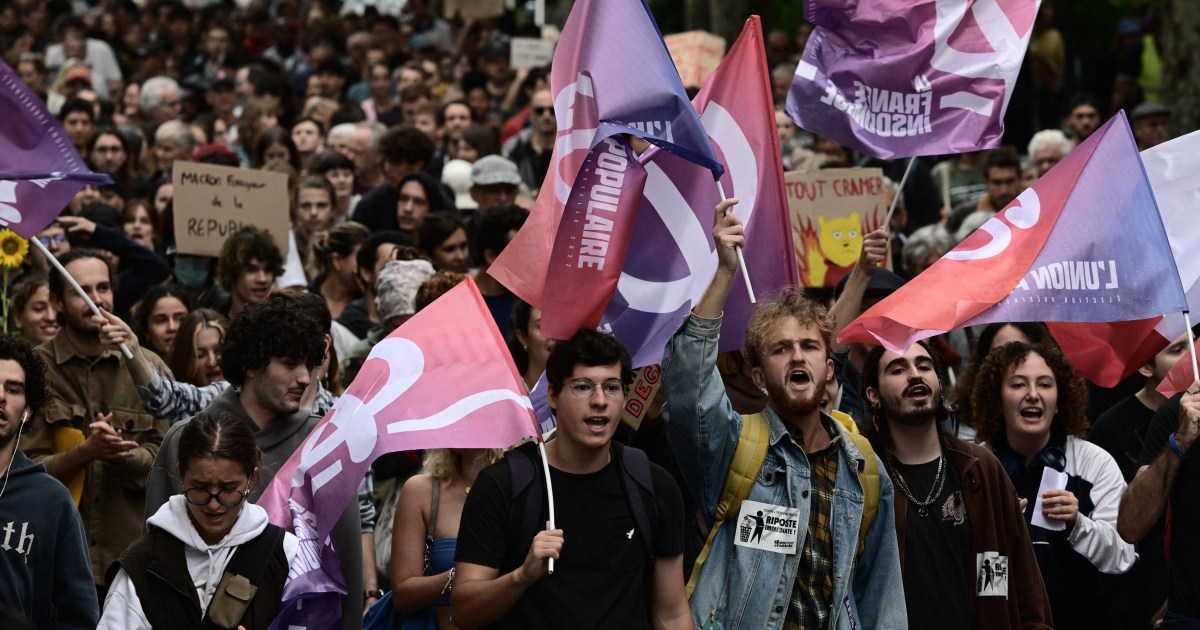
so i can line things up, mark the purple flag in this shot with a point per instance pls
(897, 78)
(673, 258)
(612, 74)
(40, 170)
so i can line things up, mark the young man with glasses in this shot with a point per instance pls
(617, 544)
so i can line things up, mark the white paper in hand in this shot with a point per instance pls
(1051, 480)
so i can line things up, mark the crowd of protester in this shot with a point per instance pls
(413, 152)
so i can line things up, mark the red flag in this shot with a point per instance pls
(1180, 376)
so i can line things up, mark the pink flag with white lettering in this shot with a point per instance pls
(898, 78)
(443, 379)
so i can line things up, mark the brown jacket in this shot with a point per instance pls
(997, 525)
(114, 493)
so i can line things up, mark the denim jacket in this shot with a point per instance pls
(742, 587)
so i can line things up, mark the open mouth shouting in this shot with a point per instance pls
(1032, 415)
(919, 393)
(799, 379)
(597, 424)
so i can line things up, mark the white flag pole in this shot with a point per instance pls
(549, 493)
(741, 258)
(1187, 321)
(75, 285)
(887, 221)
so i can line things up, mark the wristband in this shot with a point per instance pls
(372, 594)
(1175, 447)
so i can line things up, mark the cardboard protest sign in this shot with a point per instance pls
(646, 383)
(212, 202)
(831, 210)
(696, 55)
(530, 52)
(472, 9)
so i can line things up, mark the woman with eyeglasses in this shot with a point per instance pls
(208, 553)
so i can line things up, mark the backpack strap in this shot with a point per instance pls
(250, 561)
(638, 482)
(748, 457)
(523, 465)
(868, 475)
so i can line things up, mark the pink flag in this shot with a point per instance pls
(1058, 253)
(443, 379)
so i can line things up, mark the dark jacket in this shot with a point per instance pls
(997, 525)
(156, 566)
(45, 571)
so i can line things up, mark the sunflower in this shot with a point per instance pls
(13, 248)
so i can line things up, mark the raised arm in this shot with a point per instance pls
(1145, 500)
(849, 304)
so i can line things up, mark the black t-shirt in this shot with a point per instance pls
(1122, 432)
(1183, 578)
(937, 551)
(601, 579)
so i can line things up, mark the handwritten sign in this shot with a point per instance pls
(696, 55)
(212, 202)
(646, 383)
(831, 210)
(530, 52)
(472, 9)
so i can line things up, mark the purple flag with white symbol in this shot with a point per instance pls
(898, 78)
(612, 75)
(40, 170)
(672, 258)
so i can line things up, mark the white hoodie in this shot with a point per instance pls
(206, 564)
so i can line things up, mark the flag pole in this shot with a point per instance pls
(887, 221)
(75, 285)
(1187, 321)
(741, 258)
(549, 493)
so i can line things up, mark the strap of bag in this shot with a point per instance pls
(433, 509)
(868, 475)
(748, 458)
(250, 561)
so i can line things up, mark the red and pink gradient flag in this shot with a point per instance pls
(612, 75)
(443, 379)
(1109, 352)
(1059, 252)
(1180, 376)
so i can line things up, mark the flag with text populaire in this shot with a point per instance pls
(611, 75)
(444, 379)
(897, 78)
(1107, 353)
(1059, 252)
(40, 170)
(672, 257)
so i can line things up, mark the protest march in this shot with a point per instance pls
(434, 314)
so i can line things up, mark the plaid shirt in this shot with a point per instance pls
(809, 605)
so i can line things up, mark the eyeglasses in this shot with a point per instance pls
(542, 111)
(227, 498)
(56, 239)
(583, 388)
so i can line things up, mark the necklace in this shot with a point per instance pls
(938, 481)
